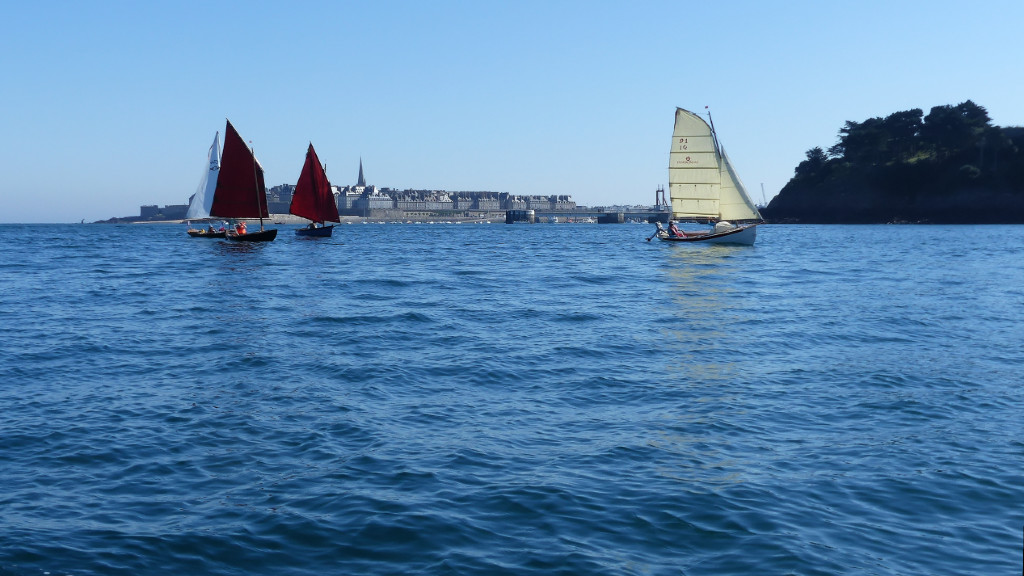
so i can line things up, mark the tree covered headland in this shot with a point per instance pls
(951, 166)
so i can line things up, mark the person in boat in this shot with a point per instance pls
(674, 230)
(312, 226)
(240, 228)
(210, 230)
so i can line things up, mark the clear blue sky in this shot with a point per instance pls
(110, 105)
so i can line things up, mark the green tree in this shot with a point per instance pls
(904, 132)
(880, 141)
(814, 165)
(862, 143)
(954, 131)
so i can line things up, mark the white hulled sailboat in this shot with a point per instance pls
(704, 187)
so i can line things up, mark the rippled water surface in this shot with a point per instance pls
(492, 399)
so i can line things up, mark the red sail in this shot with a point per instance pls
(313, 198)
(240, 191)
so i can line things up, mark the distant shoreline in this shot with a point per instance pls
(292, 220)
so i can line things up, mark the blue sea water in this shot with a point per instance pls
(493, 399)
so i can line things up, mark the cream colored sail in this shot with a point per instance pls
(702, 183)
(735, 203)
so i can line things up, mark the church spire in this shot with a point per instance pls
(362, 181)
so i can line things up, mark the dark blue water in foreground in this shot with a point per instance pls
(521, 400)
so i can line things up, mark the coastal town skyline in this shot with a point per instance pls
(113, 107)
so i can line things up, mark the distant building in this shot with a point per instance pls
(346, 199)
(423, 201)
(279, 199)
(486, 201)
(169, 212)
(511, 202)
(367, 200)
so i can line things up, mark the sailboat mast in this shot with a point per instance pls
(311, 179)
(256, 178)
(714, 134)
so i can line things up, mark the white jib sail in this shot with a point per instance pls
(702, 184)
(203, 198)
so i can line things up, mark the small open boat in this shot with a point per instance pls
(316, 232)
(257, 236)
(313, 198)
(196, 233)
(728, 234)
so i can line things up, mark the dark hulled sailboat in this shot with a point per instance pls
(241, 192)
(313, 198)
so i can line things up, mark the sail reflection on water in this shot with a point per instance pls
(706, 331)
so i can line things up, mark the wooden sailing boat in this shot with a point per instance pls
(199, 207)
(313, 198)
(704, 187)
(240, 191)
